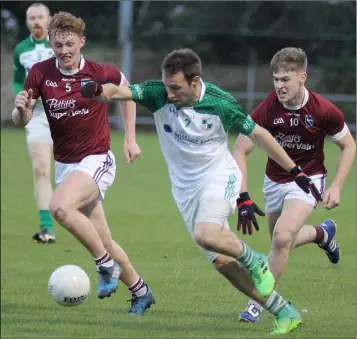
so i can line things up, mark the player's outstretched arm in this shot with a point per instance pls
(271, 147)
(348, 152)
(242, 147)
(106, 92)
(24, 104)
(275, 152)
(246, 207)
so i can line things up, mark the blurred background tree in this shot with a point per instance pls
(226, 33)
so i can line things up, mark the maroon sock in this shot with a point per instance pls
(320, 234)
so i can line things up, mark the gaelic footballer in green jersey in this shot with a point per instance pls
(28, 52)
(192, 120)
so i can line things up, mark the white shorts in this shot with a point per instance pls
(38, 129)
(225, 187)
(275, 194)
(100, 167)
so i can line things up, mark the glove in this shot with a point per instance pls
(246, 210)
(91, 89)
(305, 183)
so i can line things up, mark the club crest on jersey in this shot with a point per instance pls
(309, 122)
(172, 109)
(207, 124)
(167, 128)
(84, 81)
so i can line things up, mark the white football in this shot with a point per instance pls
(69, 285)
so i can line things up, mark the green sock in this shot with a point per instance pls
(275, 303)
(45, 219)
(248, 258)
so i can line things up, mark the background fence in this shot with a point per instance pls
(235, 40)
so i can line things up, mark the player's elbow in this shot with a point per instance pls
(243, 146)
(347, 144)
(352, 146)
(261, 136)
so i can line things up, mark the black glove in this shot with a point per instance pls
(305, 183)
(91, 89)
(246, 210)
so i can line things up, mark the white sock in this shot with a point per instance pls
(139, 288)
(109, 263)
(105, 261)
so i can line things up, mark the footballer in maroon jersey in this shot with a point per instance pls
(300, 131)
(79, 126)
(300, 120)
(84, 165)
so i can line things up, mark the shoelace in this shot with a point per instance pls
(133, 299)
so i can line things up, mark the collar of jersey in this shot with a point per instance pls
(34, 41)
(294, 108)
(203, 90)
(72, 71)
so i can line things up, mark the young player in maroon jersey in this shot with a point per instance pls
(84, 165)
(299, 119)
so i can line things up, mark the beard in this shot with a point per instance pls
(38, 31)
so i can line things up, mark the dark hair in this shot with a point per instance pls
(183, 60)
(289, 59)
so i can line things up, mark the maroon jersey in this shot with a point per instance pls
(300, 131)
(79, 126)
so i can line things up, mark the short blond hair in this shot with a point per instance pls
(289, 59)
(64, 22)
(39, 4)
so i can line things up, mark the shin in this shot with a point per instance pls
(293, 216)
(96, 214)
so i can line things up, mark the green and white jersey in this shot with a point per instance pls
(26, 54)
(194, 139)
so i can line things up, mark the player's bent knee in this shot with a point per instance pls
(212, 213)
(203, 236)
(221, 262)
(59, 211)
(282, 239)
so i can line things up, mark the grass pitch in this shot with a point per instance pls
(193, 301)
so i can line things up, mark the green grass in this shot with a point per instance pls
(193, 301)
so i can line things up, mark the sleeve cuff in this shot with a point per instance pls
(340, 134)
